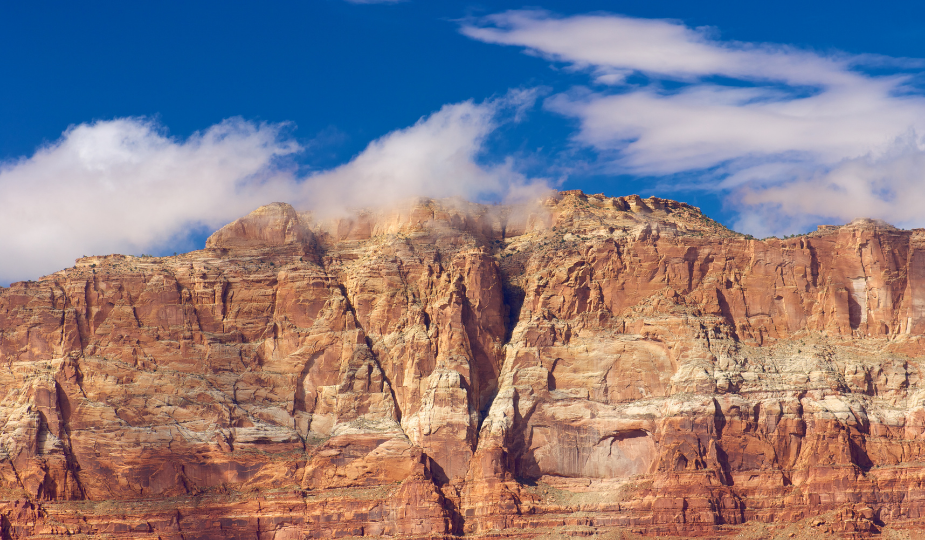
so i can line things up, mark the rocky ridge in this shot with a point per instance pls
(585, 365)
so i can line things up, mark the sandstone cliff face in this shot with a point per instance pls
(580, 365)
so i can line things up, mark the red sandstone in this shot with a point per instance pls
(585, 365)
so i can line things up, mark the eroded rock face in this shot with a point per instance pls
(448, 368)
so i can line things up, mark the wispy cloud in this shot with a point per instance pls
(611, 45)
(124, 186)
(762, 122)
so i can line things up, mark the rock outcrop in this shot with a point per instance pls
(583, 365)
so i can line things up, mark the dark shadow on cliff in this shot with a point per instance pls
(512, 268)
(727, 313)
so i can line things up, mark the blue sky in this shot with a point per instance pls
(141, 126)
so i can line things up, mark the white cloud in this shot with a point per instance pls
(890, 186)
(762, 122)
(613, 45)
(122, 186)
(436, 157)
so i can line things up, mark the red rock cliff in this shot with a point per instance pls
(583, 365)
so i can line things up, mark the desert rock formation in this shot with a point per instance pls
(585, 364)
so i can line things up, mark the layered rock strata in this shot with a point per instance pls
(582, 365)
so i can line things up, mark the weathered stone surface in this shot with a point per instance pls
(579, 365)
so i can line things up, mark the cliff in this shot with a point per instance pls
(582, 366)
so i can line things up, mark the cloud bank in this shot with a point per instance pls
(767, 124)
(124, 186)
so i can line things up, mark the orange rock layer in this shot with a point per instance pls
(582, 365)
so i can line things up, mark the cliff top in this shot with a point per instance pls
(279, 223)
(503, 229)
